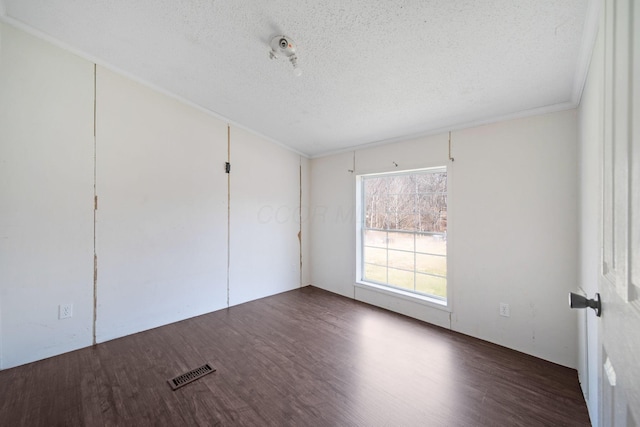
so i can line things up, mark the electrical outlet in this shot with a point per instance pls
(65, 311)
(505, 311)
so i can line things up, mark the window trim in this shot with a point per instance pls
(434, 302)
(409, 296)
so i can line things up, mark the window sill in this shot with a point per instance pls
(420, 299)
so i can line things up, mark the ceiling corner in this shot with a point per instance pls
(589, 35)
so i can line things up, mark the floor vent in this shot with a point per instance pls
(190, 376)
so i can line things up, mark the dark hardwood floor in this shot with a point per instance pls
(302, 358)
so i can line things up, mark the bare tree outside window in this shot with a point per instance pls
(404, 231)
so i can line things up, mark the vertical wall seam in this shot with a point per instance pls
(354, 174)
(228, 214)
(1, 347)
(95, 208)
(300, 217)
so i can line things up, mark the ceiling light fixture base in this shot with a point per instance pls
(283, 47)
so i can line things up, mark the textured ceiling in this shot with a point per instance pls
(372, 70)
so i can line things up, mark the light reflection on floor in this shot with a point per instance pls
(387, 368)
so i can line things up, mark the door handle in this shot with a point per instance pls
(578, 301)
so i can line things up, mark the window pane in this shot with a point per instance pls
(401, 279)
(431, 264)
(431, 285)
(375, 202)
(408, 221)
(396, 209)
(407, 201)
(435, 244)
(397, 183)
(375, 238)
(432, 209)
(402, 241)
(403, 260)
(375, 273)
(393, 213)
(432, 182)
(375, 256)
(375, 186)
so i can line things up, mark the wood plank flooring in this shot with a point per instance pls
(301, 358)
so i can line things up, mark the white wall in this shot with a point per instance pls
(513, 229)
(332, 221)
(265, 212)
(162, 224)
(46, 198)
(515, 194)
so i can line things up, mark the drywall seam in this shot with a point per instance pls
(30, 30)
(228, 211)
(451, 229)
(1, 351)
(95, 206)
(354, 173)
(300, 216)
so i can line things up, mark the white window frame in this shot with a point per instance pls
(390, 290)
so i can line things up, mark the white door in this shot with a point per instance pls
(620, 264)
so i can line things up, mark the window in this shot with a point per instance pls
(403, 232)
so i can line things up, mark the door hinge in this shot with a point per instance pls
(227, 167)
(95, 203)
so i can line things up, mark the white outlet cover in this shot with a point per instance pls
(505, 311)
(65, 311)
